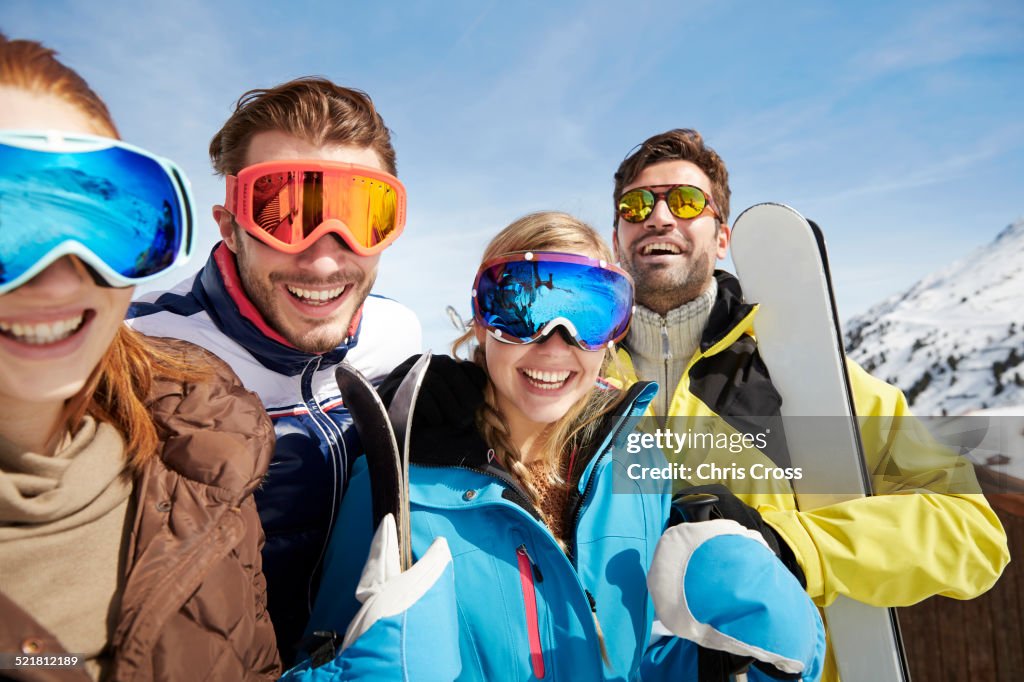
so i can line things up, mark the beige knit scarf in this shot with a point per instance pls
(62, 530)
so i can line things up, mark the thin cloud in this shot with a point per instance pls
(940, 35)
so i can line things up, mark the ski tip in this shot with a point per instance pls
(421, 363)
(346, 372)
(767, 207)
(766, 214)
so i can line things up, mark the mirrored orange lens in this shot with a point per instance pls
(273, 199)
(291, 205)
(635, 205)
(686, 201)
(371, 209)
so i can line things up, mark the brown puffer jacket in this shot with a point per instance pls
(194, 602)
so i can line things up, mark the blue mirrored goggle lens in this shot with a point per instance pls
(520, 298)
(122, 206)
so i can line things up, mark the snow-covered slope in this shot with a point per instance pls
(954, 342)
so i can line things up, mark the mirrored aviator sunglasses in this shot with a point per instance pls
(123, 211)
(289, 205)
(683, 201)
(523, 297)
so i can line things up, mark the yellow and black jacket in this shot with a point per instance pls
(891, 549)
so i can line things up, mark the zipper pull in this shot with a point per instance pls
(537, 575)
(597, 626)
(666, 342)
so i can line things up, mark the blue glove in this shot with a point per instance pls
(718, 584)
(407, 628)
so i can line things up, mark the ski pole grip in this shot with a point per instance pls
(697, 507)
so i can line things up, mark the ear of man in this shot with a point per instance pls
(226, 225)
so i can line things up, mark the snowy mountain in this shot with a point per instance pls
(954, 342)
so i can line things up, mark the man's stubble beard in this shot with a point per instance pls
(662, 289)
(325, 335)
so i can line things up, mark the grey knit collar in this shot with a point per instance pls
(684, 324)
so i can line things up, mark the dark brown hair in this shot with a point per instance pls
(313, 109)
(679, 144)
(118, 388)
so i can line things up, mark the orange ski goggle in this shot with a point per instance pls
(289, 205)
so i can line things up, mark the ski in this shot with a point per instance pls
(386, 459)
(400, 414)
(782, 264)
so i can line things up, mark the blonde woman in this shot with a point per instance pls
(552, 537)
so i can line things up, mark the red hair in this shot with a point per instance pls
(118, 389)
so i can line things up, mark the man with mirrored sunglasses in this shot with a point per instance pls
(311, 201)
(692, 333)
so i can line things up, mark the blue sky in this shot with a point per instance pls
(897, 126)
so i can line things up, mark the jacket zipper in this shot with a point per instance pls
(666, 355)
(528, 570)
(334, 440)
(590, 486)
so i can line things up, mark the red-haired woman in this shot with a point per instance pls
(129, 541)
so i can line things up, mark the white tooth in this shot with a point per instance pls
(43, 332)
(661, 246)
(548, 379)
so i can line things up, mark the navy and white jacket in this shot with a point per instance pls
(315, 444)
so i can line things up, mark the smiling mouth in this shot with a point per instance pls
(659, 249)
(42, 333)
(314, 297)
(547, 380)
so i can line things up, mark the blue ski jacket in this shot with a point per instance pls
(315, 444)
(525, 609)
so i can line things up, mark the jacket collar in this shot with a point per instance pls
(219, 289)
(730, 316)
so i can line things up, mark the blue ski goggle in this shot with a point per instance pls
(524, 297)
(123, 211)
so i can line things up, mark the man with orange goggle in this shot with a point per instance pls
(286, 296)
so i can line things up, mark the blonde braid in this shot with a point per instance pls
(494, 429)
